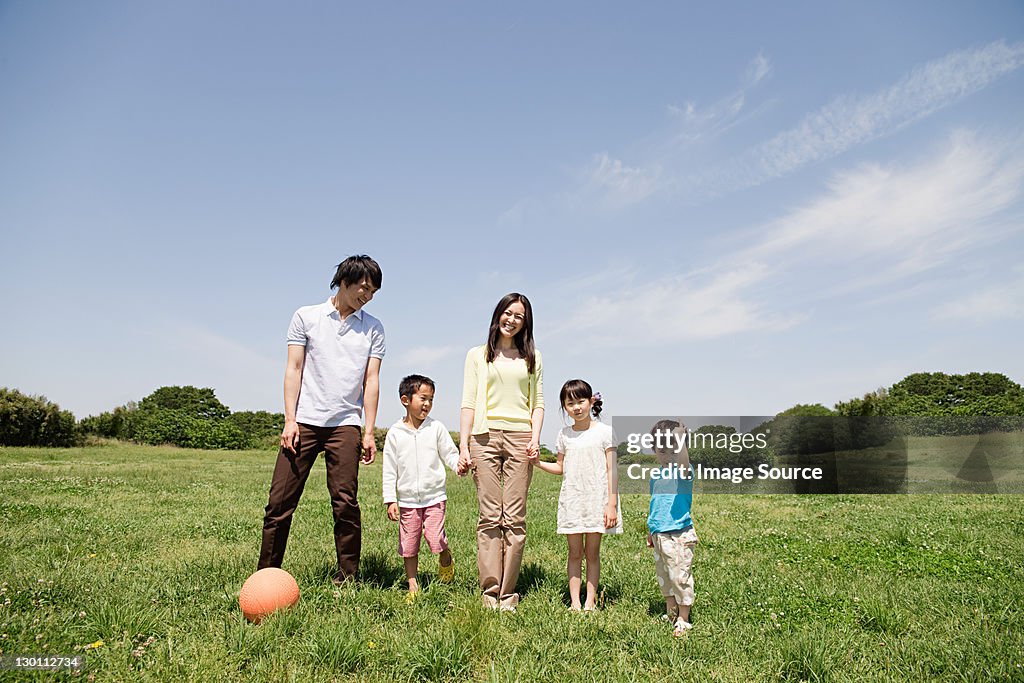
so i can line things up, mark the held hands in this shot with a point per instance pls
(611, 515)
(393, 512)
(369, 448)
(533, 450)
(465, 462)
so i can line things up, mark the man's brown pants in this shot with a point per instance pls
(342, 447)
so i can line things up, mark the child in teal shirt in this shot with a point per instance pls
(672, 537)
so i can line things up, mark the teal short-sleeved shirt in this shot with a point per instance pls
(670, 505)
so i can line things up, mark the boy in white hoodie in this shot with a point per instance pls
(414, 479)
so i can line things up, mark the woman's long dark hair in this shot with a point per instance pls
(523, 339)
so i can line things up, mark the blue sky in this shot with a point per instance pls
(722, 210)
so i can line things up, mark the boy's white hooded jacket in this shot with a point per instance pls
(413, 474)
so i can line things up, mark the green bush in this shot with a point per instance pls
(176, 427)
(803, 429)
(710, 447)
(939, 404)
(858, 432)
(216, 434)
(975, 393)
(200, 403)
(34, 421)
(111, 424)
(262, 429)
(955, 425)
(258, 424)
(180, 416)
(187, 417)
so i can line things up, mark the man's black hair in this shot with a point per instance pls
(355, 269)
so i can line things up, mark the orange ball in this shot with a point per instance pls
(266, 591)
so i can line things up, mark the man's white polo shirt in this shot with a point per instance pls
(336, 355)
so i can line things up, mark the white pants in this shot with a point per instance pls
(673, 555)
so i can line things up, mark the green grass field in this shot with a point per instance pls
(145, 549)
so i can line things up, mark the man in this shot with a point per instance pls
(331, 380)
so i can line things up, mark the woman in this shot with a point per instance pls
(502, 415)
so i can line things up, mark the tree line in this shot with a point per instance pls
(186, 416)
(921, 404)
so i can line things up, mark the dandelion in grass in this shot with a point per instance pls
(141, 648)
(95, 646)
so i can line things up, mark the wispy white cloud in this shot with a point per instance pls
(873, 225)
(851, 120)
(1003, 301)
(676, 308)
(615, 185)
(610, 182)
(843, 123)
(758, 69)
(700, 122)
(903, 220)
(518, 213)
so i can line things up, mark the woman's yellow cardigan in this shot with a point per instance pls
(474, 388)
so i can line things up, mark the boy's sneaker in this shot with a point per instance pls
(446, 574)
(681, 627)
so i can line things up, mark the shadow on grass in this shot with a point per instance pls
(375, 569)
(380, 570)
(656, 608)
(531, 577)
(607, 594)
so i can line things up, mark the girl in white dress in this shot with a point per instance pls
(588, 504)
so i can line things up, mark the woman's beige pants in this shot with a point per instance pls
(502, 475)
